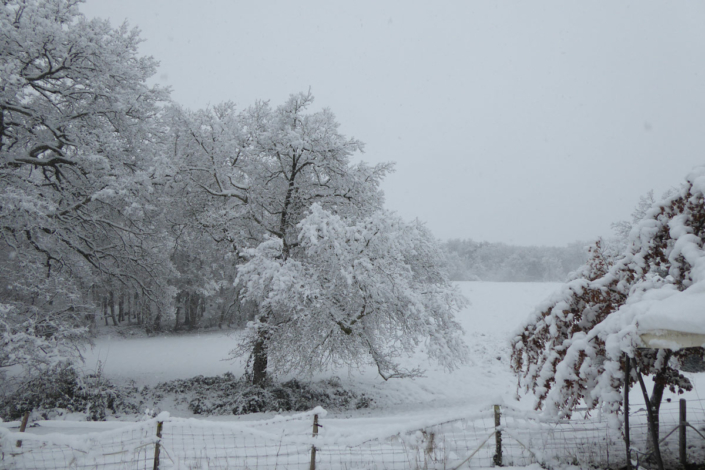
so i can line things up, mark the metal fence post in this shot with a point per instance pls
(156, 446)
(681, 434)
(313, 447)
(497, 459)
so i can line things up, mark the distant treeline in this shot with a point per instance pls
(483, 261)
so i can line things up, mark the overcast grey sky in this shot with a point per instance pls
(524, 122)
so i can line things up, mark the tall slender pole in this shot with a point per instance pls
(627, 376)
(681, 434)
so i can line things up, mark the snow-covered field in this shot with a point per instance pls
(495, 312)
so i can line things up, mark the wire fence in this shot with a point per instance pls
(491, 437)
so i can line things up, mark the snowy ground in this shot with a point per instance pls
(496, 311)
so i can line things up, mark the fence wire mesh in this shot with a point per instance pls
(286, 443)
(129, 447)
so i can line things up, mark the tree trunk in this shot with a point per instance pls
(651, 416)
(656, 396)
(138, 309)
(179, 297)
(193, 310)
(111, 302)
(259, 351)
(187, 309)
(121, 307)
(259, 354)
(259, 363)
(157, 324)
(222, 315)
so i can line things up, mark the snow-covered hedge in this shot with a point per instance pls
(226, 394)
(571, 349)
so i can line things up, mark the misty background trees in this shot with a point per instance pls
(498, 262)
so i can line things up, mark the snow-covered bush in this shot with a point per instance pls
(35, 337)
(227, 394)
(572, 348)
(64, 389)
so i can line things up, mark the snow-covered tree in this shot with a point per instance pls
(359, 291)
(572, 348)
(79, 160)
(254, 174)
(253, 178)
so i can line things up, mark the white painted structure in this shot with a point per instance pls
(671, 339)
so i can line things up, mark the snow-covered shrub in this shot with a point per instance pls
(227, 394)
(572, 348)
(39, 335)
(62, 387)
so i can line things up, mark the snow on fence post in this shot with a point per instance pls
(23, 426)
(156, 445)
(682, 423)
(313, 447)
(497, 459)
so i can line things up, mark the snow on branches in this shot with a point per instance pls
(37, 338)
(365, 291)
(79, 168)
(571, 348)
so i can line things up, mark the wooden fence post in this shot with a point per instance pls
(497, 459)
(627, 377)
(156, 446)
(23, 426)
(681, 434)
(313, 447)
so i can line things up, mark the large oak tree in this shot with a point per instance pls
(263, 175)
